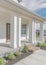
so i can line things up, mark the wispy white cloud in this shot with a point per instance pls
(34, 4)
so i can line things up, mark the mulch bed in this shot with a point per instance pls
(44, 48)
(11, 62)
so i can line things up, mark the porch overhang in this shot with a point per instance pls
(20, 10)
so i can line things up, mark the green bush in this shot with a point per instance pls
(11, 56)
(45, 41)
(2, 61)
(38, 44)
(17, 53)
(43, 45)
(25, 48)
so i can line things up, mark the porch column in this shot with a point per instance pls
(41, 32)
(33, 32)
(30, 31)
(19, 32)
(13, 35)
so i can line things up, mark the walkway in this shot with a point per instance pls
(38, 58)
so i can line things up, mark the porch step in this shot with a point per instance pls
(5, 45)
(5, 50)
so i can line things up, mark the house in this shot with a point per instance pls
(18, 25)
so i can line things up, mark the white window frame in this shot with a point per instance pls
(24, 30)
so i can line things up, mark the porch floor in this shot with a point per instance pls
(5, 50)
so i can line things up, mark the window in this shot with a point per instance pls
(24, 30)
(7, 31)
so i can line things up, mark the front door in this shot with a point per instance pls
(8, 31)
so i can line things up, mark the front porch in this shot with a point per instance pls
(17, 29)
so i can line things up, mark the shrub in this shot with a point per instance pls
(43, 45)
(25, 48)
(17, 53)
(2, 61)
(38, 44)
(11, 56)
(45, 41)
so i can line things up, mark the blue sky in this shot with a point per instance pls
(41, 12)
(37, 6)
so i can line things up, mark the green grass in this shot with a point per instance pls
(41, 44)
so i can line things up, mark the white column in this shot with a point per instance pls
(19, 33)
(27, 36)
(30, 31)
(13, 35)
(33, 32)
(41, 32)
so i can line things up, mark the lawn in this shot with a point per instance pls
(41, 44)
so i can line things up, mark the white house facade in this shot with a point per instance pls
(18, 25)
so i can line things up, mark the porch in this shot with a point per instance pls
(16, 29)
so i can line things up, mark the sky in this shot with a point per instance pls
(37, 6)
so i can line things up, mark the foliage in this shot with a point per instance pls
(25, 48)
(45, 41)
(41, 44)
(17, 53)
(2, 61)
(11, 56)
(38, 44)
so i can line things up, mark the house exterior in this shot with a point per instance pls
(18, 25)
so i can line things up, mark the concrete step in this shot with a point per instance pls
(5, 45)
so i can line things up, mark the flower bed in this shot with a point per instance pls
(18, 58)
(12, 58)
